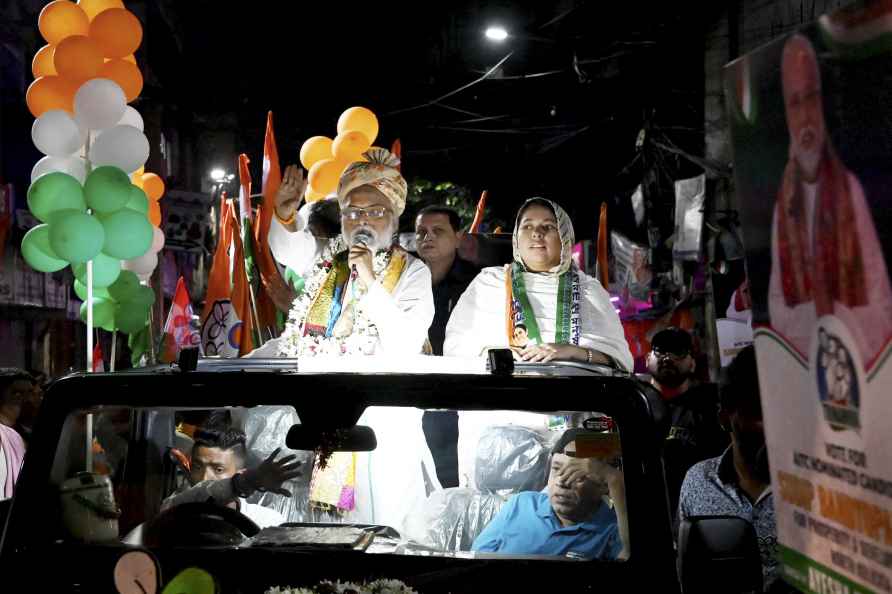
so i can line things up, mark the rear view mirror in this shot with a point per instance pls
(348, 439)
(718, 554)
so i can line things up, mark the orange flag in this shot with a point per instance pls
(218, 318)
(263, 257)
(603, 274)
(396, 149)
(244, 195)
(241, 294)
(478, 216)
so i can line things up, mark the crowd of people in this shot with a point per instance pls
(364, 294)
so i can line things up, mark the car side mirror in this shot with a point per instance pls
(718, 554)
(358, 438)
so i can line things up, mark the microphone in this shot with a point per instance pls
(363, 238)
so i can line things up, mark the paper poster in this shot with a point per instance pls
(813, 167)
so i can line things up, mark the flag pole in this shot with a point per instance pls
(88, 454)
(111, 363)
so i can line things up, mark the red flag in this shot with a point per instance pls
(241, 295)
(98, 363)
(244, 195)
(478, 216)
(603, 274)
(178, 333)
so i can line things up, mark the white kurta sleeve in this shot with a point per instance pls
(478, 319)
(601, 327)
(402, 318)
(299, 250)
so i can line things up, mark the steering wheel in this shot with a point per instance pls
(199, 524)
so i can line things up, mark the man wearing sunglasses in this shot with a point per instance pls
(694, 430)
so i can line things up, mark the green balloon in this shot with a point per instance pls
(106, 271)
(138, 200)
(103, 313)
(128, 234)
(144, 296)
(53, 192)
(126, 287)
(80, 289)
(107, 189)
(131, 316)
(37, 251)
(191, 581)
(76, 236)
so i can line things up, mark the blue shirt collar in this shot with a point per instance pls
(602, 516)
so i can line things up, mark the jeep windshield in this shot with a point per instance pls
(128, 446)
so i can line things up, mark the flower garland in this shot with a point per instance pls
(361, 341)
(326, 587)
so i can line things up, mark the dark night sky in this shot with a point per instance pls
(566, 134)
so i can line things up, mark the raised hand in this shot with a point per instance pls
(272, 473)
(290, 191)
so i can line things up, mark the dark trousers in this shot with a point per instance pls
(441, 432)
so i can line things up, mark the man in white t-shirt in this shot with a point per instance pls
(219, 475)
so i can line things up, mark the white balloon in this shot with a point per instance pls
(132, 118)
(143, 265)
(121, 146)
(73, 166)
(99, 103)
(55, 133)
(157, 240)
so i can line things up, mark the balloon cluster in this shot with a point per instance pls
(326, 159)
(90, 191)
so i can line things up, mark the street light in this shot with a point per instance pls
(217, 175)
(496, 33)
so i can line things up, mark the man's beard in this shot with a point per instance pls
(369, 238)
(670, 376)
(808, 159)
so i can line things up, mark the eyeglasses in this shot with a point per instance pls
(354, 214)
(660, 354)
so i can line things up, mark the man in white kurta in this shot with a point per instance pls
(826, 257)
(382, 307)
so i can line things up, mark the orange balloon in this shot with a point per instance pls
(126, 74)
(61, 19)
(43, 65)
(153, 185)
(324, 175)
(350, 145)
(77, 58)
(154, 213)
(131, 58)
(360, 119)
(50, 92)
(312, 196)
(94, 7)
(314, 150)
(117, 31)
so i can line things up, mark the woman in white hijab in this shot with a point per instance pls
(541, 306)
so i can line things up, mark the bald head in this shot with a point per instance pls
(801, 81)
